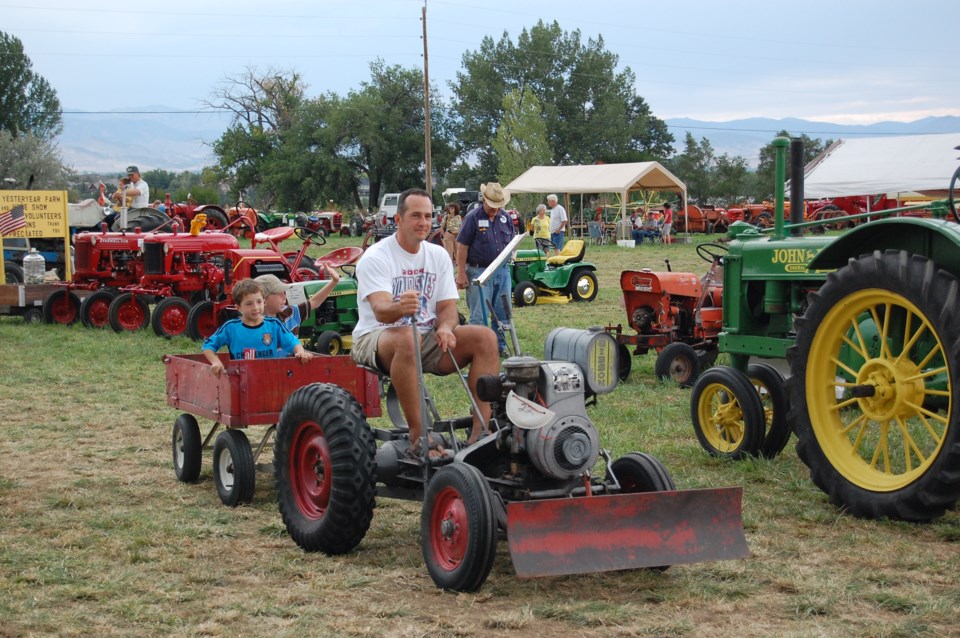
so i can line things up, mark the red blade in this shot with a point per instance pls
(625, 531)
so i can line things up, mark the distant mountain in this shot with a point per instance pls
(152, 137)
(746, 137)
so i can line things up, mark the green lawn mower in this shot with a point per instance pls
(561, 278)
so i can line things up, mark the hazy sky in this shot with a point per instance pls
(842, 61)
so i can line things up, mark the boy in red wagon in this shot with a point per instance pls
(252, 335)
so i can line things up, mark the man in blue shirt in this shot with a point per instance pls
(485, 232)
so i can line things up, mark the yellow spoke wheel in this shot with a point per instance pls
(874, 387)
(727, 414)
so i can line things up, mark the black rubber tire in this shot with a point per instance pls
(200, 325)
(61, 306)
(216, 220)
(324, 468)
(870, 476)
(95, 308)
(234, 473)
(329, 342)
(587, 277)
(13, 273)
(678, 362)
(463, 567)
(624, 362)
(740, 433)
(638, 472)
(146, 219)
(170, 317)
(707, 358)
(124, 317)
(769, 385)
(33, 315)
(187, 448)
(525, 294)
(952, 194)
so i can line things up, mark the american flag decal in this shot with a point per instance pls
(12, 220)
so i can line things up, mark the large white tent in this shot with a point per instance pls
(875, 165)
(599, 178)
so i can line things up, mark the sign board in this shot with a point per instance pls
(46, 215)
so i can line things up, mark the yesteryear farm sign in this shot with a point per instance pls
(45, 213)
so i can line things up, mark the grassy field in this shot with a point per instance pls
(98, 538)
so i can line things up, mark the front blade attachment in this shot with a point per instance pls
(554, 537)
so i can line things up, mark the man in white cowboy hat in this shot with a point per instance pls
(485, 232)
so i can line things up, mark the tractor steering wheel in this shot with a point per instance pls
(951, 202)
(544, 244)
(312, 236)
(711, 252)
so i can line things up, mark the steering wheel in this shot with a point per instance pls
(312, 236)
(350, 270)
(711, 252)
(951, 202)
(544, 244)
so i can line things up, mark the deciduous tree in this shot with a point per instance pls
(766, 170)
(28, 104)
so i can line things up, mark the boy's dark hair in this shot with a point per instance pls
(410, 192)
(243, 288)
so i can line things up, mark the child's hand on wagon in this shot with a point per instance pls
(302, 355)
(216, 368)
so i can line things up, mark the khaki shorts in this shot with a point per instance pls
(364, 350)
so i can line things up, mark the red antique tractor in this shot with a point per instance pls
(677, 314)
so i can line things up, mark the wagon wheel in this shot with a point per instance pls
(873, 381)
(94, 311)
(61, 306)
(33, 315)
(324, 469)
(951, 194)
(201, 321)
(13, 273)
(187, 448)
(128, 312)
(727, 414)
(583, 285)
(678, 362)
(170, 317)
(233, 470)
(458, 528)
(768, 383)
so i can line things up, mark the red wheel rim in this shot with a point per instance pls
(130, 315)
(64, 309)
(311, 475)
(173, 320)
(448, 529)
(206, 323)
(98, 313)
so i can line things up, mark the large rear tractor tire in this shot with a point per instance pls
(458, 528)
(233, 470)
(727, 414)
(678, 362)
(325, 469)
(874, 386)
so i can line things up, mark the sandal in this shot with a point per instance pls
(435, 455)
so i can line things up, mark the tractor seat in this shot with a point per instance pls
(340, 257)
(573, 251)
(271, 235)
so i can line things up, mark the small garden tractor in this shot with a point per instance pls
(865, 320)
(533, 480)
(677, 314)
(537, 278)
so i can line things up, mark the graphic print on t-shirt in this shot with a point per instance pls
(425, 284)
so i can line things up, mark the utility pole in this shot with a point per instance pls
(426, 104)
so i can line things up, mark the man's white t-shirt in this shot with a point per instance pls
(558, 215)
(386, 267)
(143, 199)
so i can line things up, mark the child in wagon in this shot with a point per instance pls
(252, 335)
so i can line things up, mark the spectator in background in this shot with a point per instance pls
(451, 228)
(541, 224)
(558, 222)
(139, 188)
(667, 226)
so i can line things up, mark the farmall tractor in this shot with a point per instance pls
(677, 314)
(866, 322)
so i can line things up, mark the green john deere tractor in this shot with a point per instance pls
(866, 321)
(539, 278)
(327, 330)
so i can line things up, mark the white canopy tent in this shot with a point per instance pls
(599, 178)
(875, 165)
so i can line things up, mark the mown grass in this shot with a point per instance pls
(98, 538)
